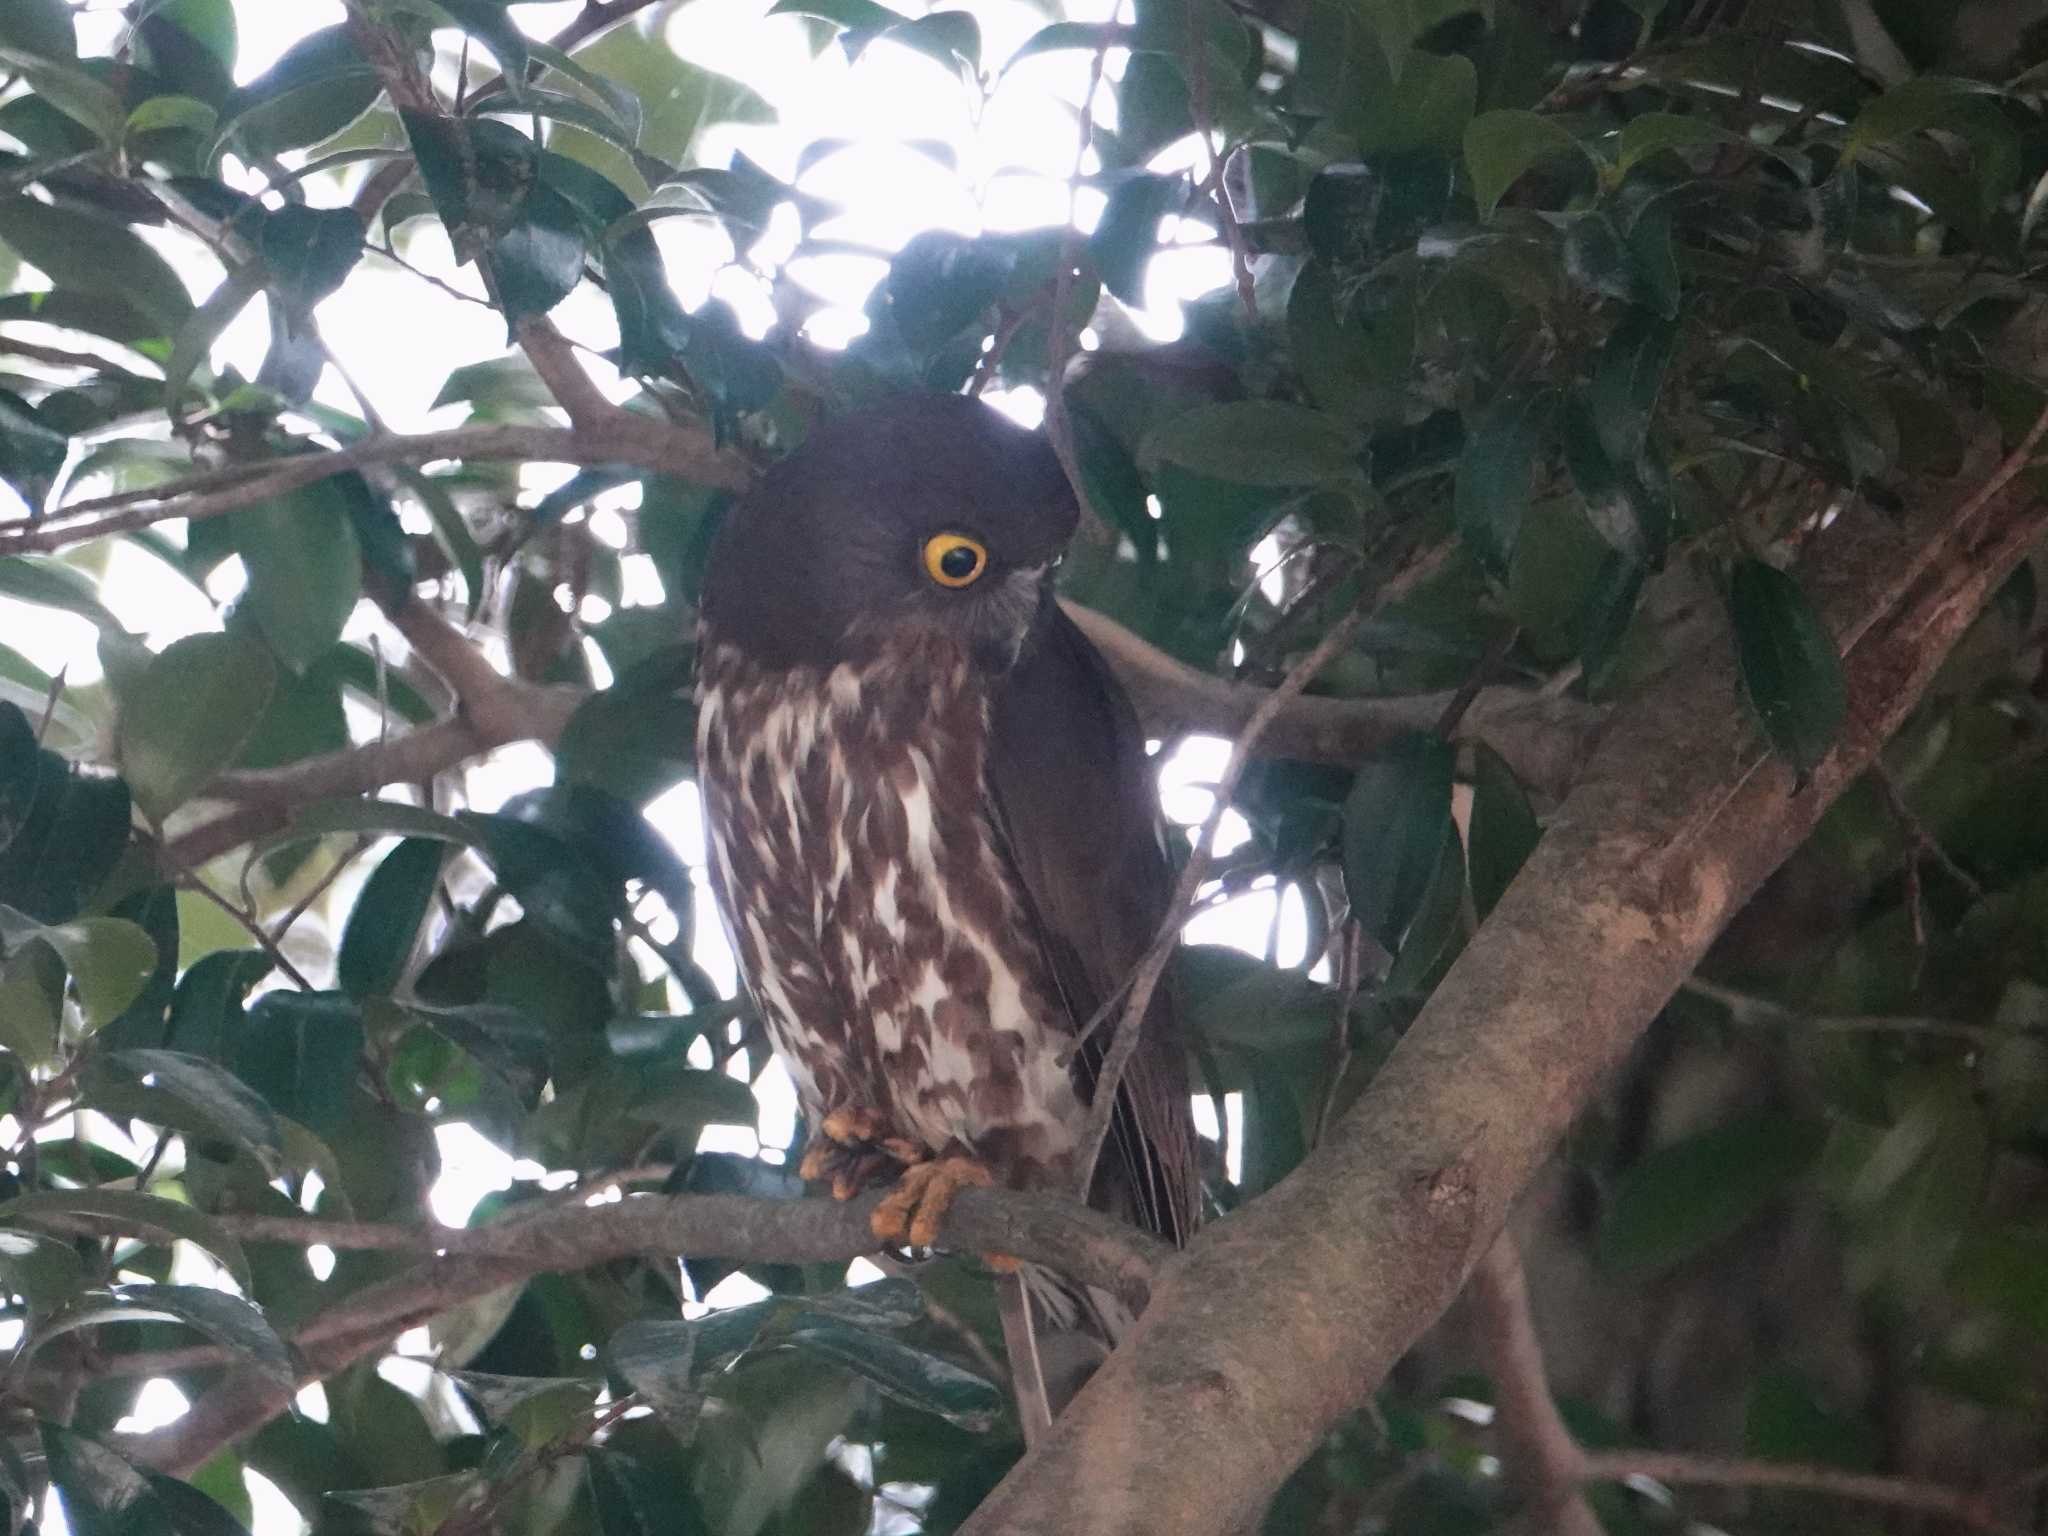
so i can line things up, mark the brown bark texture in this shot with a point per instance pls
(1280, 1319)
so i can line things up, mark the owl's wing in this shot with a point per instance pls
(1075, 802)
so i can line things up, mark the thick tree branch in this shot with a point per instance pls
(1062, 1234)
(1679, 817)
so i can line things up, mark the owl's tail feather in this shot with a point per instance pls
(1056, 1334)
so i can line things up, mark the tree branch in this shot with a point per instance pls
(1543, 1460)
(1062, 1234)
(1544, 738)
(1967, 1509)
(1679, 817)
(628, 438)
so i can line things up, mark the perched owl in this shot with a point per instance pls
(933, 828)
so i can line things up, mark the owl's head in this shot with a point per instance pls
(933, 511)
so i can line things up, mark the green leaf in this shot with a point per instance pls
(61, 832)
(1913, 106)
(1231, 998)
(309, 251)
(109, 960)
(1500, 147)
(629, 1498)
(941, 283)
(1609, 608)
(171, 114)
(490, 24)
(104, 1494)
(1503, 831)
(909, 1375)
(305, 571)
(219, 1100)
(1255, 442)
(206, 1010)
(49, 583)
(71, 90)
(98, 255)
(43, 1271)
(32, 451)
(1495, 472)
(1790, 667)
(302, 1052)
(1622, 506)
(145, 1216)
(951, 38)
(1397, 830)
(384, 923)
(1686, 1196)
(1637, 267)
(1655, 132)
(317, 87)
(851, 15)
(1428, 109)
(538, 257)
(1125, 237)
(199, 700)
(229, 1321)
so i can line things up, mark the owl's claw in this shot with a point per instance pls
(852, 1152)
(909, 1216)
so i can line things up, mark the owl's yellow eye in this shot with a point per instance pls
(954, 560)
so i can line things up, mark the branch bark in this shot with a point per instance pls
(1677, 820)
(1545, 738)
(1543, 1460)
(624, 438)
(474, 1261)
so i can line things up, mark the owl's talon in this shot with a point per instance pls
(910, 1215)
(851, 1150)
(851, 1127)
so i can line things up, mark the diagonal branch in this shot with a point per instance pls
(1062, 1234)
(1152, 969)
(628, 438)
(1679, 817)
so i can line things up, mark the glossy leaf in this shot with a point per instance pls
(305, 572)
(218, 1101)
(1397, 828)
(1122, 243)
(1495, 472)
(145, 1216)
(1790, 667)
(198, 702)
(384, 923)
(1256, 442)
(1684, 1197)
(1501, 147)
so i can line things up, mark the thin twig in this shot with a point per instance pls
(1350, 971)
(1967, 1509)
(1543, 1460)
(1213, 187)
(1748, 1008)
(1059, 344)
(193, 881)
(1146, 977)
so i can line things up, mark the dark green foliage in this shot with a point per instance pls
(1589, 326)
